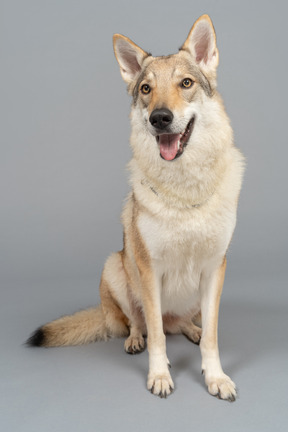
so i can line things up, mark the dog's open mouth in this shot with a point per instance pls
(172, 145)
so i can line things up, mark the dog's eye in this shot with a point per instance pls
(145, 89)
(187, 82)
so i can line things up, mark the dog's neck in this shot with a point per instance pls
(167, 199)
(182, 188)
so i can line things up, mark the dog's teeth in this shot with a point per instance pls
(178, 144)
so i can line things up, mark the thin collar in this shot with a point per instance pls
(159, 195)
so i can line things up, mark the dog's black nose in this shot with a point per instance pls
(161, 118)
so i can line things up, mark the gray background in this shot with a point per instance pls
(64, 147)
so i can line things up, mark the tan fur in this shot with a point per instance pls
(178, 219)
(83, 327)
(211, 336)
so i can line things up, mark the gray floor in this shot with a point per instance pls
(64, 147)
(100, 387)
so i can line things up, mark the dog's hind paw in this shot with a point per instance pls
(134, 345)
(193, 334)
(160, 385)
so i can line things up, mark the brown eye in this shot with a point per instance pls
(187, 82)
(145, 89)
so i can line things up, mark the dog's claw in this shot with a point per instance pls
(222, 388)
(134, 345)
(232, 398)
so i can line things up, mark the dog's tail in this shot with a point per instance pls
(80, 328)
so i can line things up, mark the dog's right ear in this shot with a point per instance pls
(129, 56)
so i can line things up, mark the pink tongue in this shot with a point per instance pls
(169, 145)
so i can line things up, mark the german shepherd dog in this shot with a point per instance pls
(178, 220)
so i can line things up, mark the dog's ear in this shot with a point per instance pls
(129, 56)
(201, 43)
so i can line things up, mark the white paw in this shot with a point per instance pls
(222, 387)
(160, 385)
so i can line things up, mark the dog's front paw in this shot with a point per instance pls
(222, 387)
(160, 385)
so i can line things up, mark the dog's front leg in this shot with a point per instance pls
(218, 383)
(159, 379)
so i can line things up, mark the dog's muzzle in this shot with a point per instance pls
(171, 145)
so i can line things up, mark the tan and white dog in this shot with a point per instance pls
(178, 220)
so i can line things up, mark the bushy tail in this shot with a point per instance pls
(80, 328)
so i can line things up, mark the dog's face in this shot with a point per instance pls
(168, 91)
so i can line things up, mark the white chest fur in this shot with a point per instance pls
(183, 244)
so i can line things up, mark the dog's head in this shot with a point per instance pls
(168, 92)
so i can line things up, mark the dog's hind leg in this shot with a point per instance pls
(122, 317)
(191, 330)
(113, 296)
(135, 343)
(183, 325)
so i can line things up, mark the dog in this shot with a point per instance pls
(179, 217)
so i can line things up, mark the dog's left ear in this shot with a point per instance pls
(201, 43)
(129, 56)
